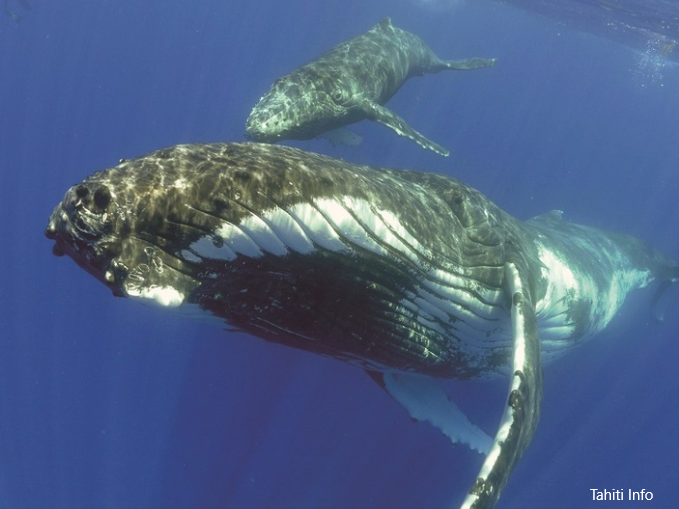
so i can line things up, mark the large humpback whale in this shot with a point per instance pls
(409, 275)
(350, 83)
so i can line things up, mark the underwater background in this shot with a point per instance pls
(108, 403)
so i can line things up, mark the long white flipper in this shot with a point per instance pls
(522, 412)
(424, 400)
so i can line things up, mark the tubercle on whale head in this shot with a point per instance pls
(82, 226)
(258, 128)
(121, 226)
(97, 225)
(270, 119)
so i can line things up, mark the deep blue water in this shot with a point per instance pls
(108, 403)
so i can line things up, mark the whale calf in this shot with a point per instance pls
(410, 276)
(349, 83)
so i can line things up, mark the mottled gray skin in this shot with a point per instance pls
(134, 216)
(347, 84)
(171, 198)
(136, 226)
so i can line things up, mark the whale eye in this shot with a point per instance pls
(338, 95)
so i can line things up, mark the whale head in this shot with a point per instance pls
(83, 226)
(112, 225)
(300, 109)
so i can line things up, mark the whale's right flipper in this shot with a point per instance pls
(385, 116)
(522, 412)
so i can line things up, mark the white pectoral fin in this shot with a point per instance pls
(425, 400)
(380, 114)
(522, 412)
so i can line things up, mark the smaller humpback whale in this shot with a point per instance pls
(411, 276)
(349, 83)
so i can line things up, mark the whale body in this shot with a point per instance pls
(350, 83)
(408, 275)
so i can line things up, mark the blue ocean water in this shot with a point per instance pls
(107, 403)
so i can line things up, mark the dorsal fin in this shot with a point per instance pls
(385, 23)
